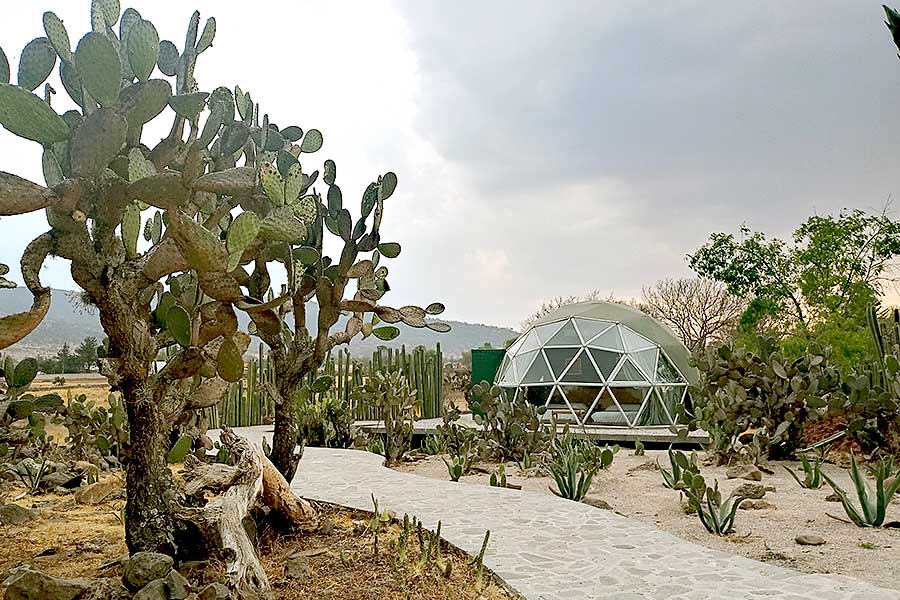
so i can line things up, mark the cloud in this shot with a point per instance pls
(553, 148)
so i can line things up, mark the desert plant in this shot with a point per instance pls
(94, 432)
(754, 405)
(434, 444)
(396, 405)
(509, 429)
(716, 514)
(812, 472)
(324, 420)
(638, 448)
(873, 501)
(211, 227)
(478, 561)
(456, 437)
(572, 472)
(682, 467)
(376, 522)
(459, 465)
(498, 479)
(32, 473)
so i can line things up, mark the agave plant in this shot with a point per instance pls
(716, 514)
(681, 466)
(572, 472)
(812, 479)
(873, 502)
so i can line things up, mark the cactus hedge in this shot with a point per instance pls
(170, 238)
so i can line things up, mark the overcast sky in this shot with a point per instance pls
(549, 148)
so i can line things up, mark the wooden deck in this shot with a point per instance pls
(602, 433)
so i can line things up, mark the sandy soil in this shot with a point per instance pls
(633, 487)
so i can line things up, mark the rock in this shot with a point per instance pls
(770, 488)
(96, 493)
(598, 503)
(753, 491)
(757, 505)
(178, 587)
(832, 497)
(296, 567)
(809, 539)
(214, 591)
(109, 588)
(32, 585)
(144, 567)
(155, 590)
(748, 472)
(650, 465)
(13, 514)
(57, 478)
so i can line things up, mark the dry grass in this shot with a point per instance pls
(343, 564)
(74, 540)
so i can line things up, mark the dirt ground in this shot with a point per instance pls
(68, 539)
(633, 487)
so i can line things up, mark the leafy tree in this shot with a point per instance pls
(820, 284)
(86, 353)
(64, 359)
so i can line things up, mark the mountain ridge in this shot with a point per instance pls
(69, 322)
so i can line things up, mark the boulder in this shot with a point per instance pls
(753, 491)
(757, 505)
(108, 588)
(144, 567)
(748, 472)
(215, 591)
(33, 585)
(13, 514)
(96, 493)
(178, 587)
(809, 539)
(155, 590)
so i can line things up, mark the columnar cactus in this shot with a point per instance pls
(221, 197)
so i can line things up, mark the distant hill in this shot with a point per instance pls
(68, 322)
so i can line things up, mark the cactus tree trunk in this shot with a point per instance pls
(151, 499)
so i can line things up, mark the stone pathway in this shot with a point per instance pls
(549, 548)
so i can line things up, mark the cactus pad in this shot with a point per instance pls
(189, 105)
(242, 231)
(99, 67)
(163, 190)
(312, 141)
(208, 35)
(307, 209)
(36, 63)
(97, 141)
(281, 225)
(272, 183)
(201, 247)
(168, 58)
(4, 67)
(58, 36)
(131, 229)
(180, 450)
(143, 101)
(239, 180)
(229, 362)
(387, 186)
(389, 249)
(142, 48)
(27, 116)
(178, 324)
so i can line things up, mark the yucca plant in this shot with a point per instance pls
(716, 514)
(812, 479)
(681, 466)
(873, 502)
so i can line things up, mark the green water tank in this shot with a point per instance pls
(485, 363)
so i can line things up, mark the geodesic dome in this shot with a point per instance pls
(599, 363)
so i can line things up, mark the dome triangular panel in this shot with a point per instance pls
(590, 328)
(635, 341)
(538, 372)
(559, 359)
(567, 336)
(582, 370)
(609, 339)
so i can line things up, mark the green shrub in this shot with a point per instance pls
(682, 467)
(716, 514)
(324, 421)
(755, 405)
(574, 462)
(396, 404)
(509, 429)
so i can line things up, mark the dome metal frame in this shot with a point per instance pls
(575, 354)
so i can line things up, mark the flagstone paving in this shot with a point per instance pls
(547, 548)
